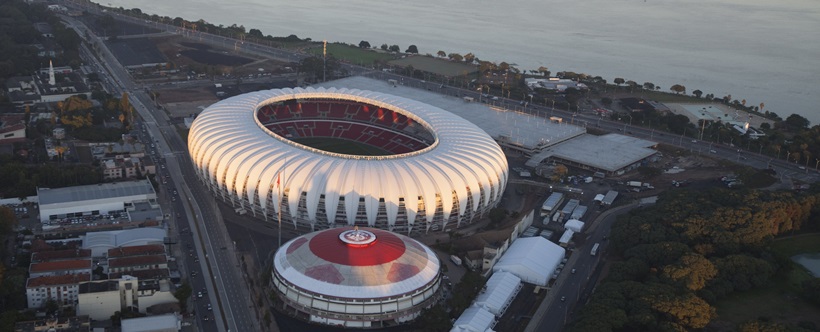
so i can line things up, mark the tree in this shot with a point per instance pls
(412, 49)
(394, 48)
(544, 71)
(455, 57)
(649, 86)
(677, 88)
(632, 85)
(364, 44)
(697, 93)
(441, 54)
(182, 294)
(384, 47)
(796, 121)
(497, 215)
(256, 33)
(469, 58)
(606, 101)
(693, 270)
(8, 220)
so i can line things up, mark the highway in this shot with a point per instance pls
(227, 290)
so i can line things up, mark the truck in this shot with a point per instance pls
(569, 208)
(634, 184)
(595, 249)
(455, 259)
(551, 204)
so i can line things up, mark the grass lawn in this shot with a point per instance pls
(801, 244)
(341, 146)
(780, 301)
(437, 66)
(351, 54)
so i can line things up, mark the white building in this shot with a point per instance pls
(97, 199)
(101, 299)
(474, 319)
(62, 288)
(101, 242)
(499, 292)
(533, 259)
(356, 278)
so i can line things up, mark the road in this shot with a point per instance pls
(553, 313)
(226, 288)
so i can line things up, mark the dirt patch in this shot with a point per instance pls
(215, 59)
(186, 95)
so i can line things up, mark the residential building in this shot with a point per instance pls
(61, 288)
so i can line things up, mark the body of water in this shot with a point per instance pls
(810, 261)
(757, 50)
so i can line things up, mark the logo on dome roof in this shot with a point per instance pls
(357, 238)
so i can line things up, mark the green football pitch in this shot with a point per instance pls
(341, 146)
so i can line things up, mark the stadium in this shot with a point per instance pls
(351, 277)
(330, 157)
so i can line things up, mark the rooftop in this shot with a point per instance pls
(45, 256)
(137, 261)
(151, 323)
(142, 274)
(66, 279)
(148, 249)
(609, 152)
(99, 286)
(94, 192)
(347, 263)
(60, 265)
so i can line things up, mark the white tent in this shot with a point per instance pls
(574, 225)
(474, 319)
(533, 259)
(566, 237)
(499, 292)
(599, 197)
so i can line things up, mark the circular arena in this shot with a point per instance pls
(351, 277)
(338, 157)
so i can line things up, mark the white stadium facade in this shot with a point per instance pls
(330, 157)
(359, 278)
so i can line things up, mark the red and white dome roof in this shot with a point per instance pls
(356, 263)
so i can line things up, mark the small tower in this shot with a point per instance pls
(51, 80)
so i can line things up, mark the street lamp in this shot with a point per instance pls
(815, 164)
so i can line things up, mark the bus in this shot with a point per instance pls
(594, 249)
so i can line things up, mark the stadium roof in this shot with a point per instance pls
(232, 148)
(322, 263)
(533, 259)
(499, 292)
(523, 130)
(94, 192)
(610, 152)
